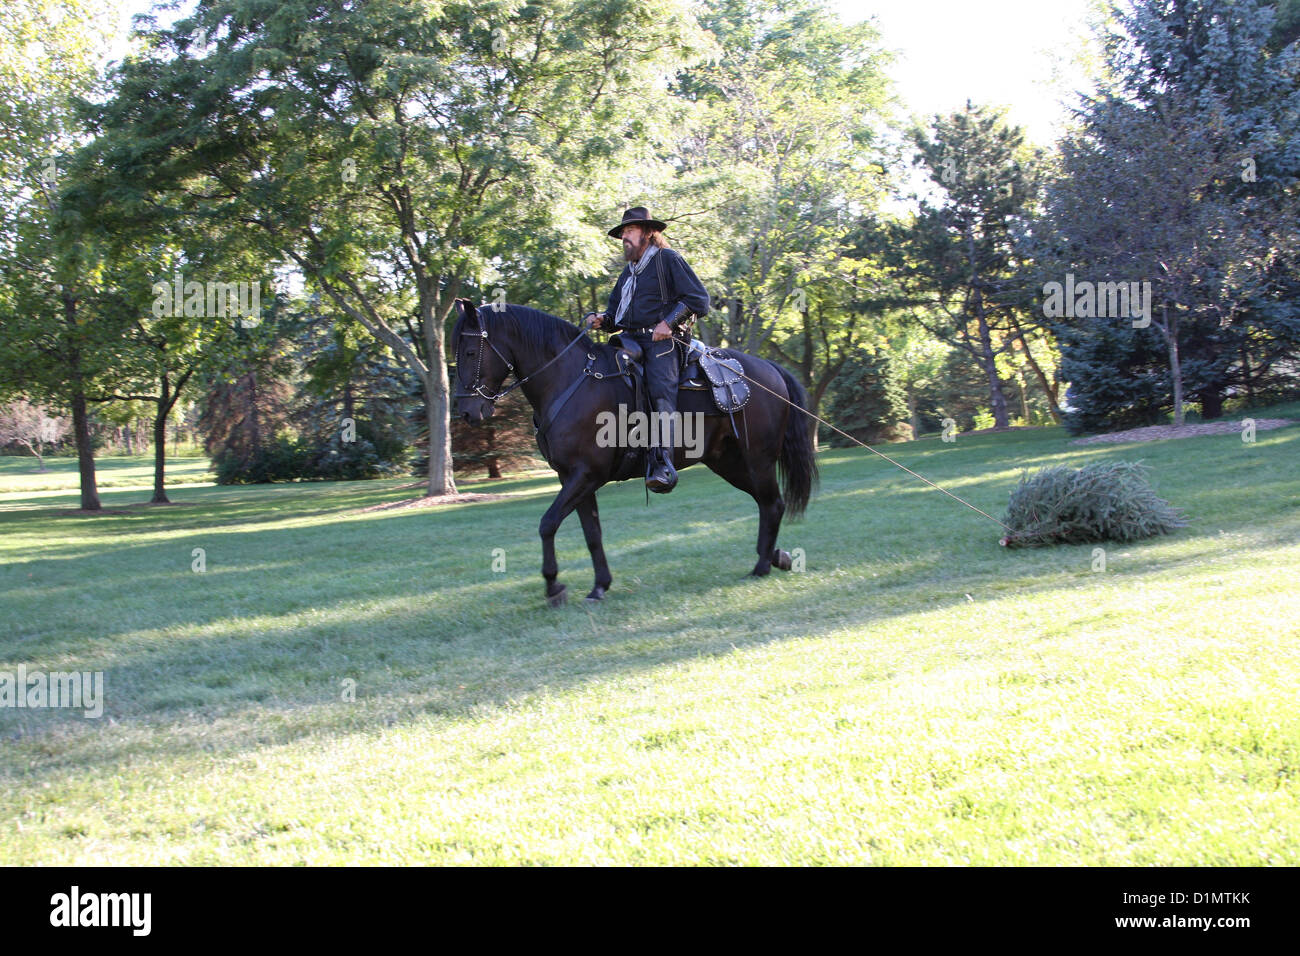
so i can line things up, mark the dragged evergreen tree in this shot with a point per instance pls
(1104, 501)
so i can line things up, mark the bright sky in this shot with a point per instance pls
(1014, 53)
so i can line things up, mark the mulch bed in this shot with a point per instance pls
(1155, 432)
(431, 501)
(1002, 431)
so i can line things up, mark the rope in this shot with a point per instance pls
(1009, 529)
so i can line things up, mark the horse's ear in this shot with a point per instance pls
(465, 308)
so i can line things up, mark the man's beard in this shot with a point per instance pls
(633, 253)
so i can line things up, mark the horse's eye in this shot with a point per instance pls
(469, 354)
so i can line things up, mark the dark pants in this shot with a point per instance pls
(662, 366)
(661, 374)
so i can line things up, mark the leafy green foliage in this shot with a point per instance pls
(957, 389)
(785, 150)
(400, 153)
(955, 260)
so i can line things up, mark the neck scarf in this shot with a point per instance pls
(629, 287)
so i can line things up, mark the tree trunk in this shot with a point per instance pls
(1245, 372)
(160, 459)
(1211, 402)
(80, 418)
(441, 481)
(815, 396)
(437, 386)
(85, 451)
(1050, 390)
(160, 444)
(252, 422)
(1175, 365)
(997, 400)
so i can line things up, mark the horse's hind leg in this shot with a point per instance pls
(771, 508)
(766, 492)
(590, 517)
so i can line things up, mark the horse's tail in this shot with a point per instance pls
(798, 462)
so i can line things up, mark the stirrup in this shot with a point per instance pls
(661, 476)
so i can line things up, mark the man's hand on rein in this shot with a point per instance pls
(662, 331)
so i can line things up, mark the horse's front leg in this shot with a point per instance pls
(590, 517)
(576, 487)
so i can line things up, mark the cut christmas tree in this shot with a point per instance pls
(1107, 501)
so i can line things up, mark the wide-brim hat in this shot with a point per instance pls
(636, 216)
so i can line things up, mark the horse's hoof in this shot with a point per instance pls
(559, 597)
(782, 560)
(760, 571)
(595, 595)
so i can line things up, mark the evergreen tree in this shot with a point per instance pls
(1182, 174)
(867, 401)
(245, 415)
(352, 417)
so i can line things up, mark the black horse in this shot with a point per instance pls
(553, 362)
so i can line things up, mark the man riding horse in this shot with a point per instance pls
(649, 314)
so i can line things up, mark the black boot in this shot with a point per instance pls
(661, 476)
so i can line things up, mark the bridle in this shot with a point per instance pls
(478, 390)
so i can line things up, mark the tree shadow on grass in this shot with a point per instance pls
(447, 636)
(253, 652)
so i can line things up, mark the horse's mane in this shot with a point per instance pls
(536, 331)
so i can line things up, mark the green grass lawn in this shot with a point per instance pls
(20, 475)
(917, 695)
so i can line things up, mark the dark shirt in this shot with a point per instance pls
(648, 308)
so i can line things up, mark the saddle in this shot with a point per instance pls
(710, 381)
(716, 371)
(703, 369)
